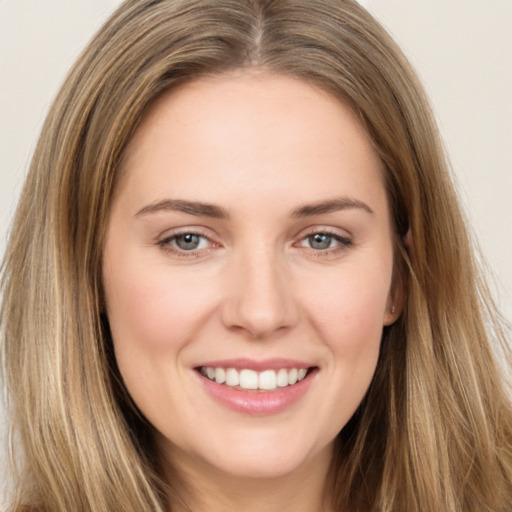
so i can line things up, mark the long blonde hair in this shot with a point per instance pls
(435, 429)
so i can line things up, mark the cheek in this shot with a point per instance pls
(348, 311)
(153, 316)
(352, 300)
(153, 313)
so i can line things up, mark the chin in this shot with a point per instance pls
(259, 455)
(258, 467)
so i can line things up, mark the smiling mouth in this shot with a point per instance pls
(251, 380)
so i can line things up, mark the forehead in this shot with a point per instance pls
(249, 130)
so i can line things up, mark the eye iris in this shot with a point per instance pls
(187, 242)
(320, 241)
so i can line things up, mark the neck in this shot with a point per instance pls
(202, 488)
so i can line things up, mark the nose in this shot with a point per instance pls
(260, 298)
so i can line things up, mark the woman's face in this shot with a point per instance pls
(249, 240)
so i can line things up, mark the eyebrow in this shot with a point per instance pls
(210, 210)
(190, 207)
(330, 206)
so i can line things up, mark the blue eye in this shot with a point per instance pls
(320, 241)
(325, 241)
(185, 243)
(188, 241)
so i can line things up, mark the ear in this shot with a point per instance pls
(395, 304)
(398, 292)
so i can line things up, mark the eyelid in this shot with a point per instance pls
(164, 241)
(328, 230)
(345, 240)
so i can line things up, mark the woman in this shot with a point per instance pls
(246, 279)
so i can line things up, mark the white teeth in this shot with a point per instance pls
(248, 379)
(232, 377)
(220, 375)
(282, 378)
(267, 380)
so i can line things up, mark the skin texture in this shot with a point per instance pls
(260, 147)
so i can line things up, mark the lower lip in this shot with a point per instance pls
(258, 403)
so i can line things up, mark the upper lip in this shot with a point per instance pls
(256, 365)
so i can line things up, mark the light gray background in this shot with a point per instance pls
(462, 50)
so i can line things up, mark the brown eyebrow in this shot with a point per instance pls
(209, 210)
(189, 207)
(330, 206)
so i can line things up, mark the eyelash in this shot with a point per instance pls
(343, 243)
(167, 246)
